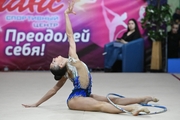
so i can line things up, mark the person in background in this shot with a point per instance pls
(114, 48)
(176, 15)
(173, 41)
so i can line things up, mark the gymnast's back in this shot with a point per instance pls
(77, 70)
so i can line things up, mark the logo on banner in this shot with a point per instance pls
(22, 5)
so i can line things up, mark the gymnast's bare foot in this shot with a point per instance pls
(136, 110)
(149, 99)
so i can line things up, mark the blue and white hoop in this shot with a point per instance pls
(163, 109)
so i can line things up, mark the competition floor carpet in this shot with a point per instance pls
(28, 87)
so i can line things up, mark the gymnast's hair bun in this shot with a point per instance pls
(58, 72)
(56, 77)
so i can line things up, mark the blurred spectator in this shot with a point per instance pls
(173, 41)
(176, 15)
(113, 49)
(178, 22)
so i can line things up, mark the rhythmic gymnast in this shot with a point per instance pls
(74, 69)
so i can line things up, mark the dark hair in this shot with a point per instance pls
(177, 9)
(174, 23)
(136, 25)
(58, 72)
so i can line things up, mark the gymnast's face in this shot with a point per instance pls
(131, 25)
(59, 60)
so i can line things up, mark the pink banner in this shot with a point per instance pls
(32, 32)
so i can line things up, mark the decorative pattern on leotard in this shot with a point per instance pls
(78, 90)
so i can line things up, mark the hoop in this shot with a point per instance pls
(163, 109)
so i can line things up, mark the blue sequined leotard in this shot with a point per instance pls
(78, 90)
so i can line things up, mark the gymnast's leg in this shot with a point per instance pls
(125, 101)
(90, 104)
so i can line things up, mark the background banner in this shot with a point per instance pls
(32, 32)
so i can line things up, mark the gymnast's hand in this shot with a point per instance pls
(31, 105)
(70, 8)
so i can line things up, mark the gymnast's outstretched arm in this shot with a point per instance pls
(49, 94)
(69, 30)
